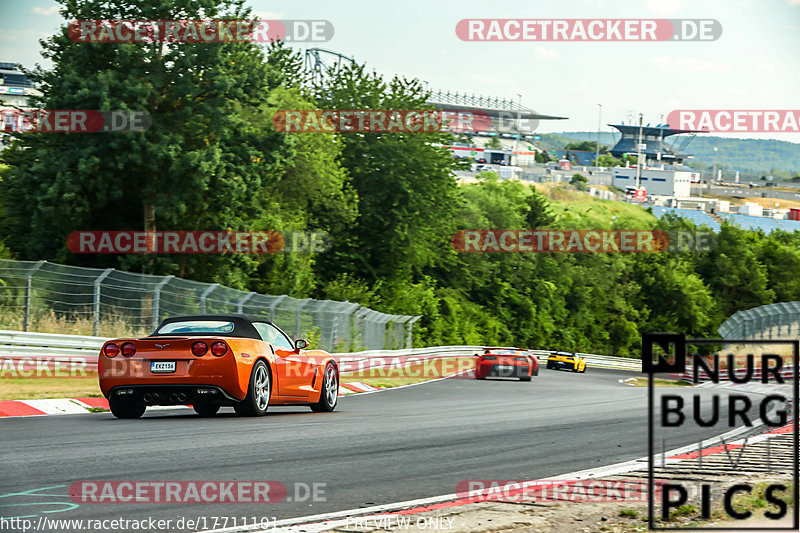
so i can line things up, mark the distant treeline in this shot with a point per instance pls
(753, 158)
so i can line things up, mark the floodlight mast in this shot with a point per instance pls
(597, 146)
(639, 155)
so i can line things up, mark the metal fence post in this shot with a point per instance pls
(297, 317)
(278, 300)
(26, 318)
(99, 279)
(205, 295)
(240, 306)
(409, 332)
(157, 299)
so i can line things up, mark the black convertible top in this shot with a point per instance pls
(242, 325)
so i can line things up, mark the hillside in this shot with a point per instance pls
(753, 157)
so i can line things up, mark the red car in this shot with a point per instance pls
(506, 363)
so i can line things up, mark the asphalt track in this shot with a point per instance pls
(378, 448)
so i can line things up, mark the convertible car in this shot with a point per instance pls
(567, 360)
(208, 361)
(506, 363)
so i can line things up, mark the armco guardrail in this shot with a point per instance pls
(45, 349)
(82, 350)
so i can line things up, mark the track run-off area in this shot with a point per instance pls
(376, 448)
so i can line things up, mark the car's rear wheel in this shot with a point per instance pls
(126, 409)
(258, 393)
(329, 396)
(205, 409)
(549, 366)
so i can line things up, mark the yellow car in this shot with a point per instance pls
(567, 360)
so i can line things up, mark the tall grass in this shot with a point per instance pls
(46, 321)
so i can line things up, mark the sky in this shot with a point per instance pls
(755, 64)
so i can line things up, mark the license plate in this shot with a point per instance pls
(504, 367)
(162, 366)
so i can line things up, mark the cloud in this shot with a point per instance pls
(766, 67)
(794, 2)
(665, 8)
(52, 10)
(689, 64)
(263, 14)
(540, 52)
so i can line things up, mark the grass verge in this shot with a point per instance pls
(42, 388)
(658, 382)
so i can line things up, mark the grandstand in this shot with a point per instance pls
(701, 218)
(766, 224)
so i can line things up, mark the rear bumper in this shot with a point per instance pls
(221, 373)
(561, 365)
(172, 394)
(505, 371)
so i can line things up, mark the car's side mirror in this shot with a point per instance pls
(300, 344)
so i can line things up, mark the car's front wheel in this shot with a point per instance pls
(329, 396)
(258, 393)
(126, 409)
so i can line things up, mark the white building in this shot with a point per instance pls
(657, 182)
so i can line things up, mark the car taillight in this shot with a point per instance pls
(489, 358)
(520, 359)
(128, 349)
(219, 348)
(199, 348)
(111, 350)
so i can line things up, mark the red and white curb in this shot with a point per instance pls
(354, 387)
(71, 406)
(56, 406)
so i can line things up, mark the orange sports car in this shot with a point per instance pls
(506, 363)
(208, 361)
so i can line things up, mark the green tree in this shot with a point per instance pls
(200, 165)
(405, 186)
(607, 160)
(733, 273)
(584, 146)
(579, 181)
(539, 214)
(493, 143)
